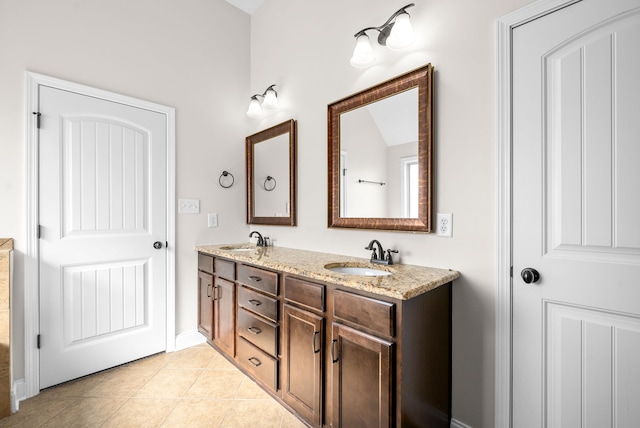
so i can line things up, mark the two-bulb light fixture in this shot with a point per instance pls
(396, 34)
(269, 100)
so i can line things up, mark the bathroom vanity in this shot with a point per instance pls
(338, 349)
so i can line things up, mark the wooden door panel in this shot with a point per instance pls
(362, 379)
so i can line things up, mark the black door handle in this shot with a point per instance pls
(157, 245)
(530, 275)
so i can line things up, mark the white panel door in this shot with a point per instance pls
(576, 217)
(102, 207)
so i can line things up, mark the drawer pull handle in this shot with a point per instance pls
(215, 288)
(256, 362)
(333, 351)
(313, 342)
(255, 278)
(254, 330)
(255, 302)
(209, 292)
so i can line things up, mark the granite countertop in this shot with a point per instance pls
(6, 244)
(406, 281)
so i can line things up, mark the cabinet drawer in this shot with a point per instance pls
(370, 313)
(261, 333)
(225, 269)
(259, 279)
(304, 293)
(205, 263)
(258, 303)
(260, 364)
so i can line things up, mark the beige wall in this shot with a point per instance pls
(304, 47)
(205, 58)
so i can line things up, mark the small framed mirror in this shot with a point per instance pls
(380, 156)
(271, 175)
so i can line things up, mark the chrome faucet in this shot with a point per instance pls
(380, 257)
(262, 242)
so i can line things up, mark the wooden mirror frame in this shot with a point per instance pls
(288, 127)
(421, 78)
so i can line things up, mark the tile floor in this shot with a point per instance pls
(195, 387)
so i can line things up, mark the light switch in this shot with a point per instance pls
(213, 220)
(189, 206)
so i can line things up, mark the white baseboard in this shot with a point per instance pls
(17, 394)
(189, 339)
(458, 424)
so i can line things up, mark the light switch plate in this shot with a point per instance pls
(189, 206)
(212, 220)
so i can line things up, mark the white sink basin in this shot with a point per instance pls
(355, 270)
(232, 248)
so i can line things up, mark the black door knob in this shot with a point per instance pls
(157, 245)
(530, 275)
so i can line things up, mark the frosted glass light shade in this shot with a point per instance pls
(255, 110)
(270, 99)
(362, 53)
(401, 35)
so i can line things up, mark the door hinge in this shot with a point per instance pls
(511, 271)
(39, 231)
(38, 114)
(38, 341)
(166, 244)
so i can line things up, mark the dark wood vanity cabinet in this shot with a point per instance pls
(304, 347)
(336, 356)
(205, 304)
(217, 302)
(205, 295)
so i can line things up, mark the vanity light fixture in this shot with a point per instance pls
(269, 100)
(396, 34)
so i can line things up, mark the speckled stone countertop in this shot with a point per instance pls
(406, 281)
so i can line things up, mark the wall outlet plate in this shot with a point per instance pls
(444, 225)
(189, 206)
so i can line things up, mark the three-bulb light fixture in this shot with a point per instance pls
(396, 34)
(269, 100)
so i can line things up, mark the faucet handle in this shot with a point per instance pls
(389, 258)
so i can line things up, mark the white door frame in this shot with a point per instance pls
(504, 293)
(31, 263)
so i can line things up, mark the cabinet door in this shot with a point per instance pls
(205, 304)
(302, 363)
(362, 379)
(224, 327)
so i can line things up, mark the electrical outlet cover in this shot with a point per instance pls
(444, 225)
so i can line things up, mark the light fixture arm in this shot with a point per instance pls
(264, 94)
(385, 29)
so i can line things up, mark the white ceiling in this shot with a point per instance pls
(248, 6)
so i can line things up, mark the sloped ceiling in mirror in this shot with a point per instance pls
(248, 6)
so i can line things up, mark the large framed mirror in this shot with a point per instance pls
(271, 175)
(380, 156)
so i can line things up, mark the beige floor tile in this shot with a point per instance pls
(123, 383)
(78, 387)
(142, 412)
(157, 361)
(290, 421)
(198, 413)
(252, 413)
(250, 390)
(169, 383)
(218, 384)
(35, 413)
(192, 358)
(86, 412)
(221, 363)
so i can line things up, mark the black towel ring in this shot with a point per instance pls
(226, 174)
(269, 178)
